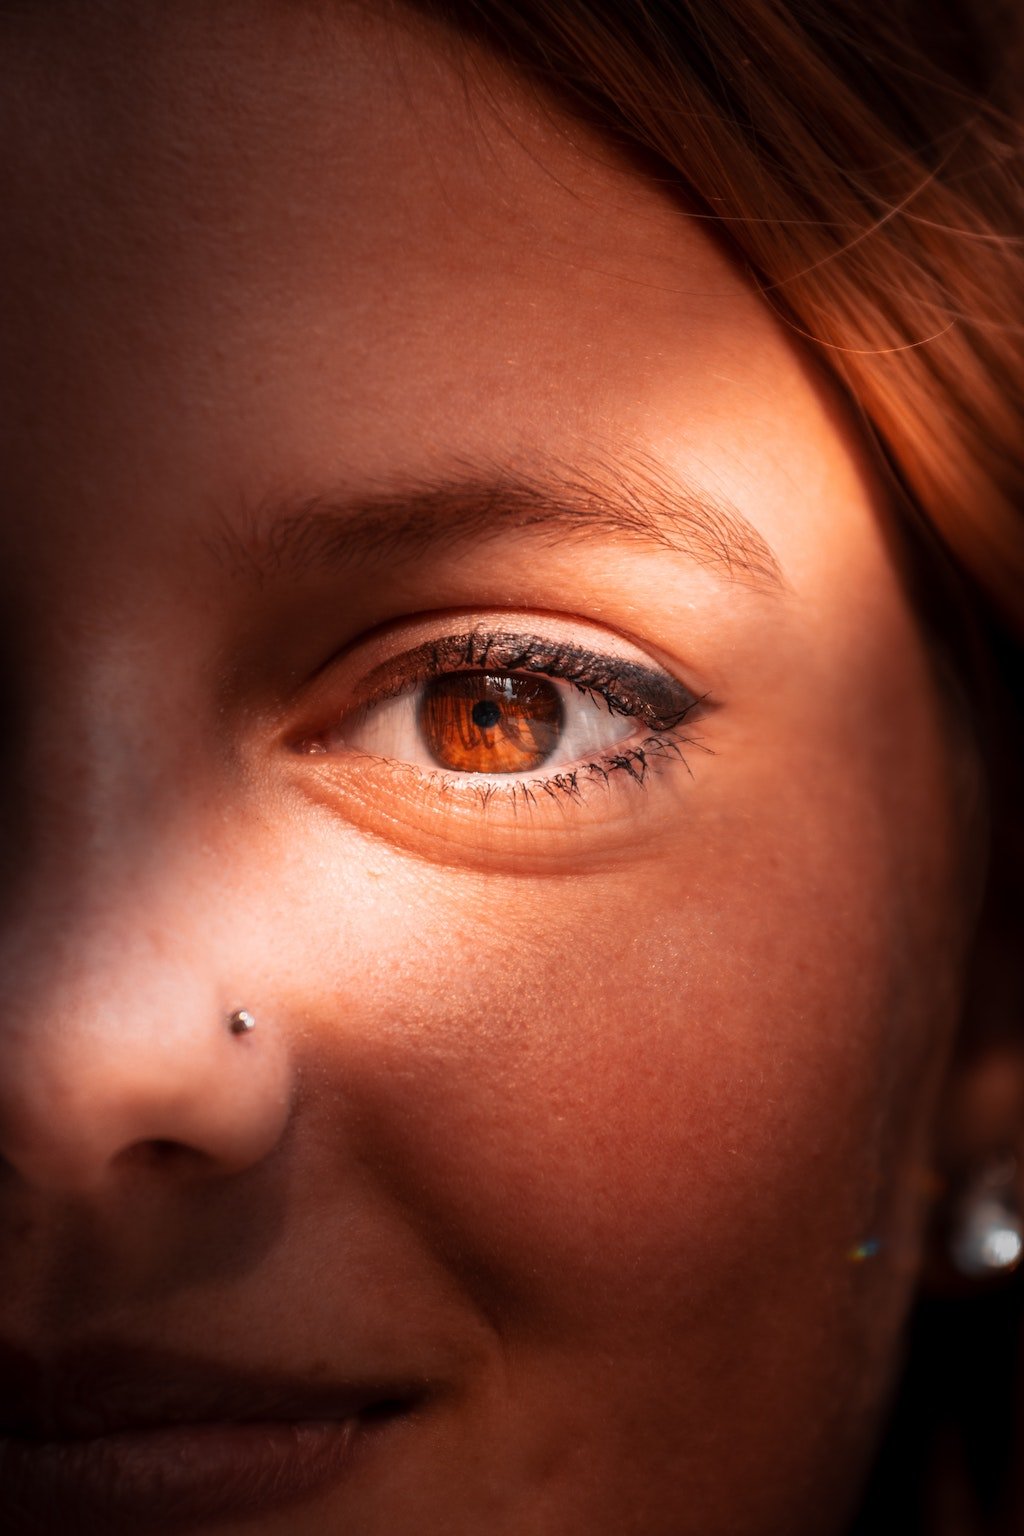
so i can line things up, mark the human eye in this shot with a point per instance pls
(533, 718)
(521, 711)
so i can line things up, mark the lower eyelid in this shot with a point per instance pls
(635, 760)
(604, 811)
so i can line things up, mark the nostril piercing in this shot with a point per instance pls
(241, 1022)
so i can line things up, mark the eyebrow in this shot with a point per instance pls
(631, 502)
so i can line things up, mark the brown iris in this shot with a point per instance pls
(490, 722)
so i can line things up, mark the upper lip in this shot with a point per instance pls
(104, 1388)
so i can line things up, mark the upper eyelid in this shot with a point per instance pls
(471, 650)
(654, 691)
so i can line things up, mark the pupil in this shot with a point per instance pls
(486, 713)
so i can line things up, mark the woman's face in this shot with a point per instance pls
(446, 617)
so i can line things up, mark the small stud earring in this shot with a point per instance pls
(986, 1234)
(241, 1022)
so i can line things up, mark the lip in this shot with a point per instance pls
(118, 1440)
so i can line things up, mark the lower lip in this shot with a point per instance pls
(174, 1478)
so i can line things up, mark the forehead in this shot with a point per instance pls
(304, 242)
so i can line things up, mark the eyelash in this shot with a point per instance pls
(623, 687)
(635, 762)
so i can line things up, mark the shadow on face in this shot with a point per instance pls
(445, 618)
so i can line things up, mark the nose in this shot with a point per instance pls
(118, 1049)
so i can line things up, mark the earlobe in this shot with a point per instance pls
(978, 1227)
(985, 1236)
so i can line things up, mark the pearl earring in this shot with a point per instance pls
(986, 1234)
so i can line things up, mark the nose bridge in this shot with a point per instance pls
(111, 817)
(110, 752)
(99, 939)
(115, 950)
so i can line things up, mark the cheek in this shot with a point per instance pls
(590, 1085)
(647, 1120)
(645, 1129)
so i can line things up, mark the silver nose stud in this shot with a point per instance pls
(241, 1022)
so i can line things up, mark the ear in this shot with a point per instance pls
(980, 1139)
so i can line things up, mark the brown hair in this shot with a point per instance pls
(864, 162)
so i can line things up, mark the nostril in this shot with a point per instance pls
(160, 1153)
(93, 1093)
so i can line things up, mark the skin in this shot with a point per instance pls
(581, 1111)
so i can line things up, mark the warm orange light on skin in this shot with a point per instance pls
(588, 1105)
